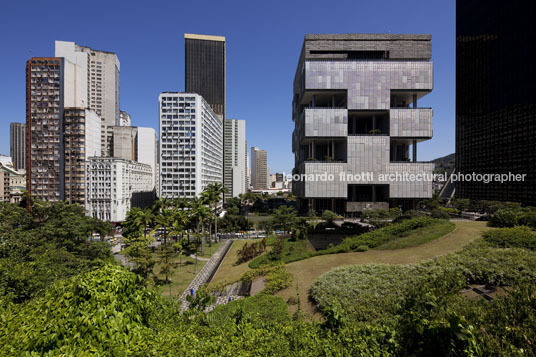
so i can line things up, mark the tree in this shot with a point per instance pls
(329, 216)
(212, 197)
(284, 218)
(201, 214)
(137, 220)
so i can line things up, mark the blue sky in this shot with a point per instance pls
(263, 45)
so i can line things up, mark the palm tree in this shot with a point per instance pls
(201, 214)
(212, 196)
(143, 219)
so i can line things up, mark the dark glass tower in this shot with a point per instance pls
(496, 98)
(205, 69)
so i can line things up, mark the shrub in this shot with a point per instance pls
(519, 237)
(329, 216)
(250, 251)
(362, 248)
(439, 213)
(504, 218)
(277, 278)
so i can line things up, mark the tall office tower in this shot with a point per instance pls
(44, 123)
(191, 145)
(146, 149)
(101, 71)
(495, 99)
(17, 145)
(81, 136)
(115, 185)
(205, 69)
(355, 111)
(259, 169)
(124, 118)
(235, 157)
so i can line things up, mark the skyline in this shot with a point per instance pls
(262, 55)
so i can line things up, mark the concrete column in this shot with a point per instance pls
(373, 193)
(414, 150)
(333, 149)
(313, 104)
(373, 122)
(333, 101)
(414, 101)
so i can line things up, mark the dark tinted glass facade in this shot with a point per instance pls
(496, 97)
(205, 70)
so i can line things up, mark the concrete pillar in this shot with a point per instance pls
(414, 101)
(373, 122)
(414, 150)
(333, 149)
(313, 104)
(333, 101)
(373, 193)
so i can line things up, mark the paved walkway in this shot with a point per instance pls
(207, 272)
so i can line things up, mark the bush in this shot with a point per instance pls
(329, 216)
(504, 218)
(518, 237)
(440, 213)
(362, 248)
(277, 278)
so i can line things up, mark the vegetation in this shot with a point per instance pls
(284, 250)
(510, 217)
(250, 251)
(277, 278)
(517, 237)
(420, 236)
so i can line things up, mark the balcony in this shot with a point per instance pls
(411, 123)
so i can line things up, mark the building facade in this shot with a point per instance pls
(259, 169)
(235, 157)
(17, 145)
(191, 145)
(115, 185)
(205, 69)
(12, 183)
(355, 112)
(44, 120)
(99, 70)
(146, 150)
(496, 99)
(124, 118)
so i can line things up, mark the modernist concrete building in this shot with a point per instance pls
(191, 145)
(115, 185)
(259, 169)
(496, 99)
(235, 157)
(99, 70)
(355, 110)
(17, 145)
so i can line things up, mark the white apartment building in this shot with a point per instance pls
(235, 158)
(146, 149)
(191, 145)
(115, 185)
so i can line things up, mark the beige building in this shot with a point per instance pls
(259, 169)
(12, 183)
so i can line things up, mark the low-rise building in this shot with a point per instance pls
(116, 185)
(12, 183)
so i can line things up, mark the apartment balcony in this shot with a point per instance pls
(413, 123)
(363, 206)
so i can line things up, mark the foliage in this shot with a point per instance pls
(250, 251)
(510, 217)
(442, 213)
(380, 236)
(284, 250)
(105, 312)
(329, 216)
(421, 235)
(519, 237)
(277, 278)
(49, 243)
(284, 218)
(201, 299)
(362, 248)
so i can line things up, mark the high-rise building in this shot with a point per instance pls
(235, 157)
(355, 112)
(100, 71)
(124, 118)
(205, 69)
(44, 120)
(124, 142)
(191, 145)
(81, 137)
(146, 150)
(259, 169)
(496, 99)
(115, 185)
(17, 145)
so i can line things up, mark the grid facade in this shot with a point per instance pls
(17, 145)
(496, 99)
(355, 111)
(191, 145)
(235, 158)
(205, 69)
(259, 169)
(44, 121)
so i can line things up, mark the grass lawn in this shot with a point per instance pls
(209, 250)
(183, 274)
(228, 271)
(420, 236)
(292, 251)
(306, 271)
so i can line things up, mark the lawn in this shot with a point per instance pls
(182, 275)
(420, 236)
(228, 271)
(292, 251)
(306, 271)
